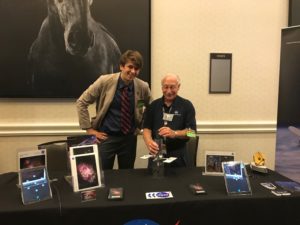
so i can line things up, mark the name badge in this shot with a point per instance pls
(140, 103)
(168, 117)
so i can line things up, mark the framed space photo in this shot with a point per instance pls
(32, 158)
(56, 49)
(35, 185)
(236, 178)
(85, 167)
(214, 160)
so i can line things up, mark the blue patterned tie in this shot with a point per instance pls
(125, 112)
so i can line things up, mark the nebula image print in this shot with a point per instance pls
(86, 171)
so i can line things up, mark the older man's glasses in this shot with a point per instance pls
(171, 87)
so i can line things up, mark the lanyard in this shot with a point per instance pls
(165, 115)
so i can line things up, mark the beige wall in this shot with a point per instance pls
(183, 34)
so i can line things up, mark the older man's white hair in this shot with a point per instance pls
(172, 75)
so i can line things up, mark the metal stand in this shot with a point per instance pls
(158, 168)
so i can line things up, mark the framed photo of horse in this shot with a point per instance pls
(57, 48)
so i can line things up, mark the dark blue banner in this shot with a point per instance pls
(287, 160)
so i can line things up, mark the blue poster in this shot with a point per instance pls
(287, 160)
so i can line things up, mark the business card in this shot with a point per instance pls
(170, 159)
(146, 156)
(115, 193)
(159, 195)
(88, 195)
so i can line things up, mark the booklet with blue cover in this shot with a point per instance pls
(291, 186)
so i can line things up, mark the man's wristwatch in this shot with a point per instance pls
(175, 133)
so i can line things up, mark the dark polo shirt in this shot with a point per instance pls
(184, 117)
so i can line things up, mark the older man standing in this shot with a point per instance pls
(169, 118)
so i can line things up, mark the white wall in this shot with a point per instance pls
(183, 34)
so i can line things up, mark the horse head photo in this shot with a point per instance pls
(71, 50)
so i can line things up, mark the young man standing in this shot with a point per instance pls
(120, 100)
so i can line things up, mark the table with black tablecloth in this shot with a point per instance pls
(216, 207)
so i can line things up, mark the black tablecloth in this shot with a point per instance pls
(216, 207)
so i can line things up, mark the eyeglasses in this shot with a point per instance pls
(172, 87)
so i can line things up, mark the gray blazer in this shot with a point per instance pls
(102, 92)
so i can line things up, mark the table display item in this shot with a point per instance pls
(79, 140)
(291, 186)
(32, 158)
(268, 185)
(35, 185)
(85, 168)
(236, 178)
(197, 189)
(158, 168)
(88, 195)
(213, 162)
(115, 193)
(260, 169)
(259, 163)
(280, 193)
(159, 195)
(259, 159)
